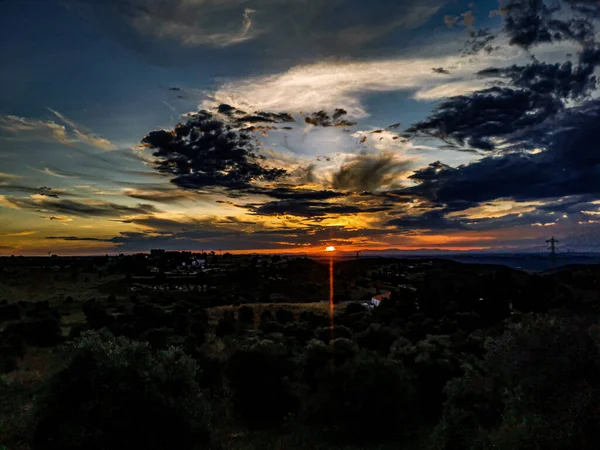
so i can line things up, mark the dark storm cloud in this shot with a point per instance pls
(431, 220)
(44, 191)
(560, 80)
(472, 120)
(323, 119)
(569, 165)
(441, 71)
(532, 22)
(283, 193)
(90, 209)
(75, 238)
(208, 152)
(309, 209)
(369, 173)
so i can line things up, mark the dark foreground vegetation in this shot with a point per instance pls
(464, 357)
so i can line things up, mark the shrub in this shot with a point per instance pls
(226, 325)
(315, 320)
(367, 399)
(353, 308)
(114, 393)
(271, 327)
(432, 364)
(267, 316)
(258, 376)
(337, 331)
(246, 316)
(378, 338)
(42, 332)
(10, 312)
(157, 337)
(284, 316)
(299, 330)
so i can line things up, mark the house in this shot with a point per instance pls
(377, 299)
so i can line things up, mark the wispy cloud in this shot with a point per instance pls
(21, 233)
(36, 129)
(330, 85)
(58, 218)
(5, 177)
(84, 135)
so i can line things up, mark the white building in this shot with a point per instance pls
(377, 299)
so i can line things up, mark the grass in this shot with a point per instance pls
(321, 308)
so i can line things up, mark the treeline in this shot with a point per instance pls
(444, 368)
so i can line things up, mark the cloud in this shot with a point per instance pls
(18, 234)
(43, 191)
(568, 165)
(342, 84)
(532, 22)
(283, 193)
(37, 129)
(333, 28)
(164, 195)
(84, 209)
(206, 152)
(50, 130)
(559, 80)
(323, 119)
(428, 220)
(75, 238)
(310, 209)
(383, 171)
(7, 177)
(85, 136)
(58, 218)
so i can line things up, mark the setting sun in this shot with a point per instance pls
(331, 248)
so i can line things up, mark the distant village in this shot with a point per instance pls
(224, 278)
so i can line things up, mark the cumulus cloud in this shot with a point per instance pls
(207, 152)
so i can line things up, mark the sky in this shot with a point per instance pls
(292, 125)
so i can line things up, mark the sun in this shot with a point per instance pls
(331, 248)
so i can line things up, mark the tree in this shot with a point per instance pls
(258, 374)
(366, 399)
(114, 393)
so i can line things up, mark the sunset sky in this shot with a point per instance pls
(293, 125)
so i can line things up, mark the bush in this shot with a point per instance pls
(284, 316)
(378, 338)
(114, 393)
(258, 376)
(267, 316)
(367, 399)
(10, 312)
(353, 308)
(226, 325)
(246, 316)
(12, 348)
(157, 337)
(314, 320)
(271, 327)
(338, 331)
(42, 332)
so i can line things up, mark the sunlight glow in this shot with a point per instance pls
(331, 248)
